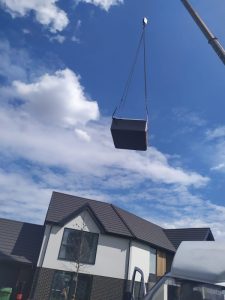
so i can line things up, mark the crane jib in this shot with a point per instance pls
(212, 40)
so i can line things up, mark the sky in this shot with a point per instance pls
(63, 69)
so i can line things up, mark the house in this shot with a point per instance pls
(101, 241)
(20, 245)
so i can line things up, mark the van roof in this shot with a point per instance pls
(200, 261)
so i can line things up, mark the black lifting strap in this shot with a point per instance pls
(127, 85)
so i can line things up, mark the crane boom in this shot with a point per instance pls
(212, 40)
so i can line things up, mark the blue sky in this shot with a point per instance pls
(63, 68)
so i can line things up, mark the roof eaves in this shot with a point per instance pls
(209, 235)
(46, 221)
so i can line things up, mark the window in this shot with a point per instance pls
(63, 286)
(79, 245)
(152, 261)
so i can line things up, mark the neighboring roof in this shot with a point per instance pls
(20, 241)
(176, 236)
(112, 220)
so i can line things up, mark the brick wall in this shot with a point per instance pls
(42, 284)
(103, 288)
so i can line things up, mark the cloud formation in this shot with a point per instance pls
(215, 145)
(58, 99)
(216, 133)
(12, 60)
(46, 12)
(26, 137)
(104, 4)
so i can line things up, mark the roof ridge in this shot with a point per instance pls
(142, 219)
(126, 211)
(80, 197)
(22, 222)
(188, 228)
(118, 214)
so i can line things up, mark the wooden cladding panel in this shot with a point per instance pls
(161, 263)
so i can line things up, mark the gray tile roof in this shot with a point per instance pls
(20, 241)
(176, 236)
(112, 219)
(145, 230)
(63, 206)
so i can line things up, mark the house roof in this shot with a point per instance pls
(176, 236)
(20, 242)
(112, 219)
(145, 230)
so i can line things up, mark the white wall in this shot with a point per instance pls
(139, 257)
(111, 251)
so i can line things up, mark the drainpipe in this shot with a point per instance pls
(127, 287)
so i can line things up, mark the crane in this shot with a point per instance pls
(212, 40)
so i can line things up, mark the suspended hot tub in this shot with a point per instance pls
(130, 134)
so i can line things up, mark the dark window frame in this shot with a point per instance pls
(75, 260)
(90, 278)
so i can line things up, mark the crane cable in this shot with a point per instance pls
(130, 77)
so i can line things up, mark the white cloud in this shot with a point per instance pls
(176, 207)
(78, 25)
(219, 167)
(26, 31)
(75, 37)
(104, 4)
(46, 12)
(214, 146)
(82, 135)
(216, 133)
(21, 198)
(25, 136)
(16, 64)
(189, 118)
(57, 98)
(58, 38)
(12, 60)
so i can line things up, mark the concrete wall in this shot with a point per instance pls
(111, 251)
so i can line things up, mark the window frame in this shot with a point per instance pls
(81, 261)
(71, 274)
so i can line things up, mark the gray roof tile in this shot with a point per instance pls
(145, 230)
(63, 205)
(20, 241)
(176, 236)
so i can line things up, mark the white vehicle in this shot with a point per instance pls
(197, 273)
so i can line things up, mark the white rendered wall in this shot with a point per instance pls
(110, 257)
(139, 257)
(44, 245)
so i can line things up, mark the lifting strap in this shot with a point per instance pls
(127, 85)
